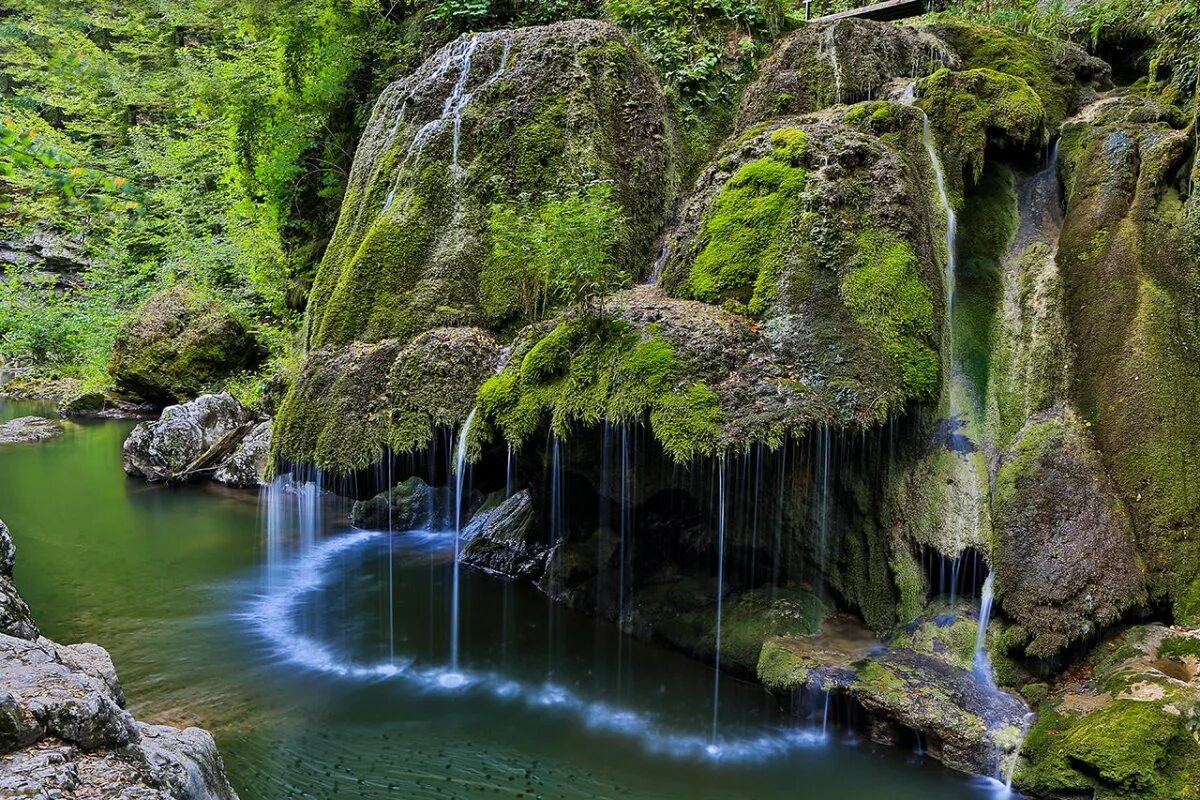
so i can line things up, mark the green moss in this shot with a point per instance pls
(876, 679)
(885, 293)
(968, 109)
(1180, 647)
(1127, 742)
(745, 230)
(584, 371)
(953, 643)
(779, 668)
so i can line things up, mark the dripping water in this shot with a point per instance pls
(454, 678)
(712, 747)
(981, 664)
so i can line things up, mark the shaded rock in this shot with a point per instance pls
(917, 682)
(505, 540)
(8, 551)
(1064, 546)
(29, 429)
(99, 404)
(406, 506)
(247, 467)
(1123, 723)
(178, 444)
(184, 763)
(845, 61)
(178, 345)
(15, 617)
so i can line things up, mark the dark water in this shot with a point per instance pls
(316, 686)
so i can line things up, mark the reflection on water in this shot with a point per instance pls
(324, 681)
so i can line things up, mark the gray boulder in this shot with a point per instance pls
(29, 429)
(248, 464)
(188, 440)
(15, 618)
(503, 540)
(407, 505)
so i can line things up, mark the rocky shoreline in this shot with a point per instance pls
(64, 730)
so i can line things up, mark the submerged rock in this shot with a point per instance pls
(179, 344)
(23, 430)
(189, 439)
(505, 540)
(406, 506)
(1123, 724)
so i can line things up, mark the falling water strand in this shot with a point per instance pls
(460, 470)
(720, 592)
(939, 175)
(981, 664)
(826, 460)
(831, 49)
(391, 566)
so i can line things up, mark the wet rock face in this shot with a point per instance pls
(1121, 724)
(178, 345)
(1064, 547)
(15, 617)
(506, 541)
(24, 430)
(247, 467)
(502, 115)
(191, 439)
(839, 62)
(1128, 256)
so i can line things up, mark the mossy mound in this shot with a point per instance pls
(819, 229)
(1062, 74)
(1130, 261)
(180, 343)
(1063, 541)
(350, 403)
(845, 61)
(503, 116)
(1124, 724)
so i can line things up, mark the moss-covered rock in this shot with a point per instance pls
(1064, 547)
(1128, 256)
(180, 343)
(845, 61)
(350, 403)
(497, 116)
(1124, 724)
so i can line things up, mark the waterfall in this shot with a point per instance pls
(982, 666)
(951, 278)
(831, 45)
(712, 747)
(454, 678)
(826, 463)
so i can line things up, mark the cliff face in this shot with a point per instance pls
(64, 730)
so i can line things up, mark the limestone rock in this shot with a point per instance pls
(178, 345)
(504, 540)
(247, 467)
(100, 404)
(178, 443)
(29, 429)
(15, 617)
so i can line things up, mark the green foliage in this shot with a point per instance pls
(885, 293)
(562, 251)
(746, 229)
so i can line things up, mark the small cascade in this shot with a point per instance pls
(664, 253)
(454, 678)
(712, 747)
(831, 50)
(982, 665)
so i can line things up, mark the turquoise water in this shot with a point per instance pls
(172, 582)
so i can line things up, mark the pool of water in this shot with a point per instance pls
(326, 675)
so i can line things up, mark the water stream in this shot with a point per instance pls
(323, 679)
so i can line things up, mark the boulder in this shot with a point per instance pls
(1123, 723)
(23, 430)
(407, 506)
(505, 540)
(102, 405)
(15, 617)
(179, 344)
(187, 439)
(247, 467)
(922, 680)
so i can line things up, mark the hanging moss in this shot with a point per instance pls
(885, 293)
